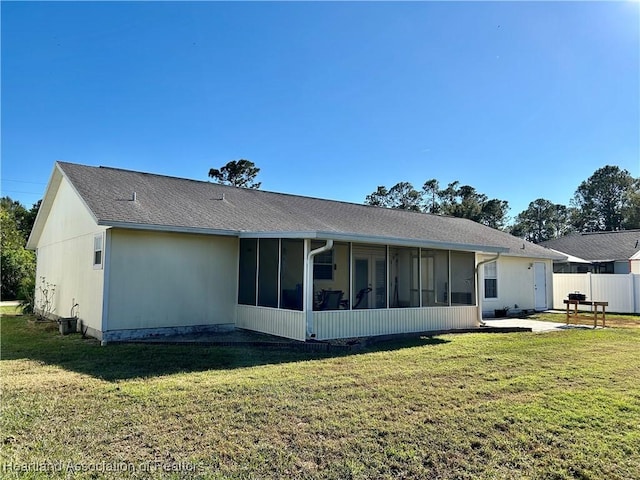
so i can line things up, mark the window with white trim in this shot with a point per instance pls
(491, 280)
(97, 250)
(323, 264)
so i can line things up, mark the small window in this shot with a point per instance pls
(490, 280)
(323, 266)
(97, 251)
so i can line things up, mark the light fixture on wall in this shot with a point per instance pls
(530, 266)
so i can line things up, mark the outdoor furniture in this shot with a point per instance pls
(361, 295)
(574, 315)
(330, 299)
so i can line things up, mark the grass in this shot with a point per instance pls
(614, 320)
(10, 310)
(558, 405)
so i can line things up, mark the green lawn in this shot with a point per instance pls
(614, 320)
(548, 406)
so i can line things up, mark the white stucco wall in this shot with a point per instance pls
(160, 280)
(515, 284)
(65, 258)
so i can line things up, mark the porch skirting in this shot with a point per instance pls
(371, 322)
(274, 321)
(330, 325)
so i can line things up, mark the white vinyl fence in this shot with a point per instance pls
(621, 291)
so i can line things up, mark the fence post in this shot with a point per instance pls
(635, 301)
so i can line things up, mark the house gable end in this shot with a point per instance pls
(63, 215)
(60, 191)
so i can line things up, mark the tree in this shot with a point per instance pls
(458, 201)
(604, 199)
(239, 173)
(449, 199)
(542, 220)
(23, 218)
(18, 264)
(404, 197)
(430, 191)
(401, 196)
(466, 202)
(561, 220)
(379, 198)
(30, 219)
(494, 213)
(632, 211)
(470, 204)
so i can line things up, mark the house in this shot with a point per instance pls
(135, 254)
(598, 252)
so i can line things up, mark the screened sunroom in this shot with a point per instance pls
(324, 289)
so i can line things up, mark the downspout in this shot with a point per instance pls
(489, 260)
(309, 286)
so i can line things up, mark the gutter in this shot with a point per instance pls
(489, 260)
(373, 239)
(309, 286)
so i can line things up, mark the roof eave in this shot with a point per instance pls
(167, 228)
(354, 237)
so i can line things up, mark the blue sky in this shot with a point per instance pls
(519, 100)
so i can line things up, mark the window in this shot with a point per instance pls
(404, 281)
(435, 278)
(291, 274)
(268, 261)
(369, 282)
(323, 264)
(490, 280)
(462, 278)
(97, 251)
(247, 287)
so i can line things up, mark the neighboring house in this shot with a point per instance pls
(598, 252)
(144, 254)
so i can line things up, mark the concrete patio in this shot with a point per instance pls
(534, 325)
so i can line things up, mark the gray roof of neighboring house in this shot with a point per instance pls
(598, 246)
(176, 204)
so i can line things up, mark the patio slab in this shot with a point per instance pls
(534, 325)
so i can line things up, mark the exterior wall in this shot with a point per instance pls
(65, 259)
(622, 267)
(280, 322)
(161, 280)
(515, 284)
(621, 291)
(634, 266)
(360, 323)
(340, 273)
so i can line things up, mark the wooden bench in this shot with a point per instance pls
(575, 316)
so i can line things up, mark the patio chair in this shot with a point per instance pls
(331, 299)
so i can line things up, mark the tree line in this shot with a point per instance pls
(608, 200)
(18, 263)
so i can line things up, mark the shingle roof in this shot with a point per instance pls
(169, 203)
(598, 246)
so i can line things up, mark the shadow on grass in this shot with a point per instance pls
(22, 338)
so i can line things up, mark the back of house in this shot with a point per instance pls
(134, 254)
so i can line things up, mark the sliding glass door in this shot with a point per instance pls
(369, 277)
